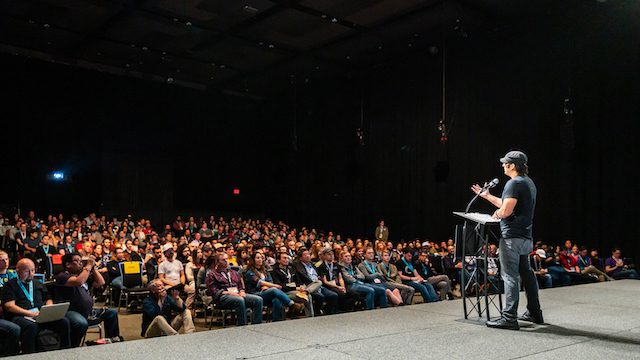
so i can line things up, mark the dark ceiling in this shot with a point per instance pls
(245, 47)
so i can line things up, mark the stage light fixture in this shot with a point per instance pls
(57, 176)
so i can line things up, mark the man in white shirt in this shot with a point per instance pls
(170, 271)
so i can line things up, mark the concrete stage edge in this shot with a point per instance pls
(593, 321)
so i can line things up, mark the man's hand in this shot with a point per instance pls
(543, 271)
(175, 294)
(477, 190)
(33, 314)
(242, 293)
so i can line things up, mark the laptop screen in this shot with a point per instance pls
(39, 277)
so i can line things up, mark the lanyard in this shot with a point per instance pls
(330, 268)
(350, 269)
(227, 276)
(288, 275)
(46, 249)
(388, 268)
(371, 268)
(28, 294)
(408, 265)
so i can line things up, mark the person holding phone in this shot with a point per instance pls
(159, 308)
(72, 285)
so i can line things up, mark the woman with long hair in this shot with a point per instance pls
(258, 281)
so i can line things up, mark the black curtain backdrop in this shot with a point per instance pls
(136, 146)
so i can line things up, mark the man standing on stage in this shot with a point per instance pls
(515, 211)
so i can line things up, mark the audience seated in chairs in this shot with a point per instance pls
(410, 276)
(331, 276)
(22, 298)
(440, 283)
(536, 260)
(585, 265)
(390, 273)
(163, 313)
(259, 282)
(8, 330)
(325, 286)
(285, 275)
(227, 289)
(372, 275)
(171, 271)
(72, 285)
(324, 299)
(617, 269)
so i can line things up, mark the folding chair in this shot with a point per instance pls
(56, 264)
(131, 272)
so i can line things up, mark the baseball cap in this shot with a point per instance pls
(515, 157)
(167, 247)
(217, 246)
(541, 253)
(326, 250)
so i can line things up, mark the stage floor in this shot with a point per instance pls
(593, 321)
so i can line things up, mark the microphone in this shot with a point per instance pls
(490, 184)
(486, 187)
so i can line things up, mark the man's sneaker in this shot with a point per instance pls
(530, 318)
(503, 323)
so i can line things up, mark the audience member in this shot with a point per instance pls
(308, 274)
(164, 314)
(285, 275)
(409, 276)
(22, 298)
(354, 281)
(259, 282)
(227, 289)
(72, 285)
(617, 269)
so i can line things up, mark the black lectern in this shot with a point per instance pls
(476, 282)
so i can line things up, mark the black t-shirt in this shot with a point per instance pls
(323, 270)
(405, 268)
(79, 296)
(520, 223)
(11, 291)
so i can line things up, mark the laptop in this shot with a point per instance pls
(53, 312)
(39, 277)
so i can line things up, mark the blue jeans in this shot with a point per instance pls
(545, 281)
(240, 304)
(11, 334)
(626, 274)
(328, 296)
(277, 299)
(381, 294)
(514, 261)
(425, 289)
(79, 324)
(559, 275)
(372, 293)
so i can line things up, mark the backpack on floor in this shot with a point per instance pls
(47, 340)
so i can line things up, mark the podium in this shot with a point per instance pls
(479, 291)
